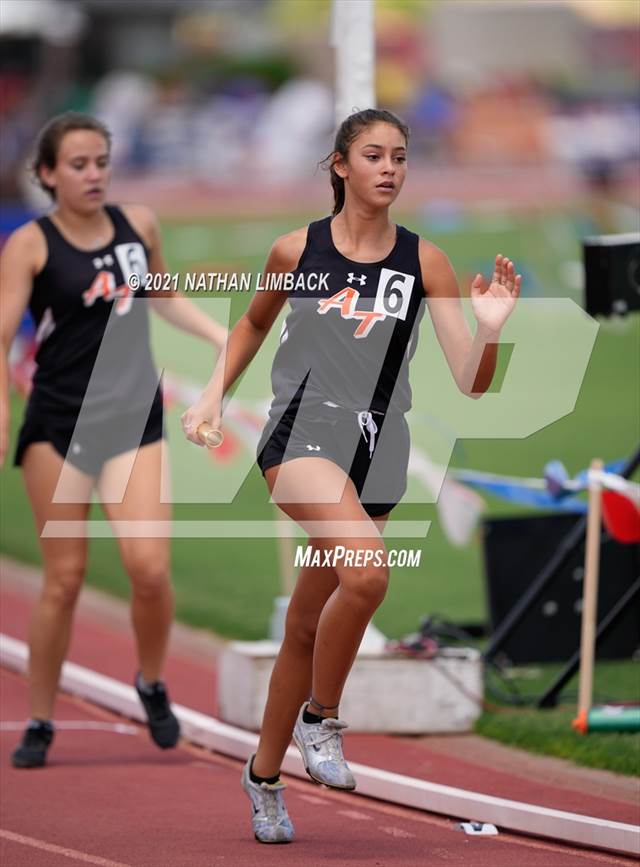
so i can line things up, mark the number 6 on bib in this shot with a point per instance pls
(393, 293)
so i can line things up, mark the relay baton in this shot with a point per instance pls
(209, 436)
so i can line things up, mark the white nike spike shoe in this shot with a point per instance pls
(320, 745)
(270, 820)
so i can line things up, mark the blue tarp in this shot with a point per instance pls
(531, 492)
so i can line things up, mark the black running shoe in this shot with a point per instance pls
(32, 752)
(163, 724)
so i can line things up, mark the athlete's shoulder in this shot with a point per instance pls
(438, 276)
(431, 256)
(143, 221)
(28, 233)
(28, 245)
(287, 249)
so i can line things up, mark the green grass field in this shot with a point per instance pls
(229, 587)
(549, 731)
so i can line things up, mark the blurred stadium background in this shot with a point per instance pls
(525, 126)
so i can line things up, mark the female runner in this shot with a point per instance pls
(335, 450)
(72, 269)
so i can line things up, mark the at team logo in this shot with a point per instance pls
(392, 299)
(132, 260)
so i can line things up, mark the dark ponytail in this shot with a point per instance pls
(52, 134)
(349, 129)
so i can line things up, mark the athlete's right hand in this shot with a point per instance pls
(193, 417)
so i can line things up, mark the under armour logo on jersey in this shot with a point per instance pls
(105, 262)
(351, 278)
(311, 448)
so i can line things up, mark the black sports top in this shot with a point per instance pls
(350, 343)
(72, 302)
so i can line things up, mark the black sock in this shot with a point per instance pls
(309, 717)
(144, 685)
(256, 779)
(36, 723)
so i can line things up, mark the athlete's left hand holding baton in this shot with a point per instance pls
(202, 428)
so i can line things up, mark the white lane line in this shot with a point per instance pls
(311, 799)
(396, 832)
(74, 854)
(76, 726)
(354, 814)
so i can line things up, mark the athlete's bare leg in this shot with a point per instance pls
(290, 681)
(64, 564)
(329, 609)
(146, 560)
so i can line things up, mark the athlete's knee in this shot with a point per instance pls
(63, 581)
(366, 585)
(300, 631)
(150, 576)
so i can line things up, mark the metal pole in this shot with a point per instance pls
(353, 37)
(590, 593)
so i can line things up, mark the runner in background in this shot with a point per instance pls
(72, 269)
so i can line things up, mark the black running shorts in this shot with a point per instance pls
(91, 445)
(379, 475)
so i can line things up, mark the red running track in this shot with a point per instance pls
(110, 798)
(114, 800)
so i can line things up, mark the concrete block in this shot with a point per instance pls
(384, 693)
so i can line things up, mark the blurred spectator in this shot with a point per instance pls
(596, 132)
(123, 101)
(293, 131)
(243, 90)
(433, 118)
